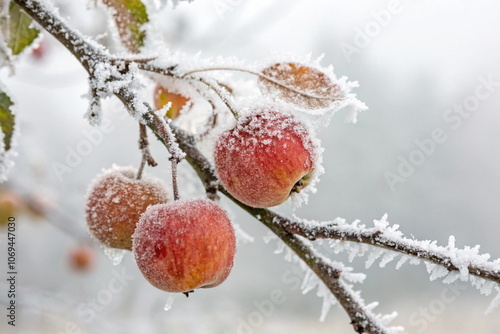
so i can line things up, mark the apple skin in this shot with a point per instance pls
(184, 245)
(265, 158)
(115, 202)
(81, 258)
(162, 96)
(10, 204)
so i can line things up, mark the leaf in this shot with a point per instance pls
(130, 16)
(7, 119)
(299, 84)
(21, 34)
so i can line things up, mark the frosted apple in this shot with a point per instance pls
(162, 96)
(184, 245)
(10, 204)
(264, 158)
(81, 258)
(116, 200)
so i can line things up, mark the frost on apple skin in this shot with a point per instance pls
(115, 200)
(184, 245)
(265, 157)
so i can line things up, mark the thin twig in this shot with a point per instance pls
(219, 92)
(260, 75)
(146, 66)
(146, 156)
(330, 276)
(175, 187)
(89, 56)
(375, 237)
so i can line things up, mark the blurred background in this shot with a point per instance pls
(418, 64)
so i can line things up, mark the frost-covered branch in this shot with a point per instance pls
(112, 76)
(108, 76)
(85, 50)
(362, 319)
(465, 261)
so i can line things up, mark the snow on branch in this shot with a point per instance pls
(447, 262)
(332, 275)
(345, 278)
(110, 76)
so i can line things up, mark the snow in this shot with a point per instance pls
(159, 4)
(495, 303)
(388, 257)
(402, 261)
(311, 282)
(382, 233)
(114, 254)
(241, 235)
(373, 256)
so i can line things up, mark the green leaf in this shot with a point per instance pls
(7, 119)
(21, 34)
(130, 16)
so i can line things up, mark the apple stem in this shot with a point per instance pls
(187, 293)
(174, 179)
(141, 169)
(211, 122)
(144, 147)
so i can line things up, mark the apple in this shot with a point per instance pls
(264, 158)
(319, 91)
(81, 258)
(10, 204)
(184, 245)
(162, 96)
(40, 50)
(116, 200)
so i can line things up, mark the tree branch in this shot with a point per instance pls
(182, 145)
(146, 156)
(451, 258)
(90, 57)
(87, 52)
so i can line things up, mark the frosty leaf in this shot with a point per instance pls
(7, 119)
(130, 16)
(21, 34)
(301, 85)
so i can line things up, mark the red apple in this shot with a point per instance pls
(266, 157)
(116, 200)
(81, 258)
(40, 50)
(184, 245)
(162, 96)
(10, 204)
